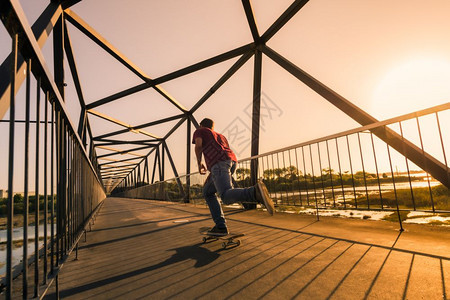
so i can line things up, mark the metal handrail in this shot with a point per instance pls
(405, 117)
(79, 190)
(18, 23)
(390, 121)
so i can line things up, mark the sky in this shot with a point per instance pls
(387, 57)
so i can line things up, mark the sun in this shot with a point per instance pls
(413, 85)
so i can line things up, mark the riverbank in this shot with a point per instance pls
(18, 221)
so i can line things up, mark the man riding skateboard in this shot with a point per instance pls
(221, 162)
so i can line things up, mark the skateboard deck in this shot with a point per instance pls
(231, 239)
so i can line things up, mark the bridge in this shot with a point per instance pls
(99, 207)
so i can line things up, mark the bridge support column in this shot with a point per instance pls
(256, 119)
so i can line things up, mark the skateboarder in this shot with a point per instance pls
(221, 162)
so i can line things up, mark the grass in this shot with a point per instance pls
(18, 243)
(439, 223)
(284, 208)
(420, 197)
(18, 221)
(394, 216)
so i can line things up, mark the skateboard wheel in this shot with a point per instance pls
(204, 240)
(224, 245)
(238, 242)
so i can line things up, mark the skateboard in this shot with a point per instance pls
(231, 239)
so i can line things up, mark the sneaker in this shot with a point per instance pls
(263, 197)
(217, 231)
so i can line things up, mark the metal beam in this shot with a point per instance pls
(79, 23)
(194, 121)
(121, 152)
(76, 80)
(283, 19)
(101, 137)
(112, 171)
(114, 161)
(58, 55)
(159, 155)
(162, 165)
(125, 167)
(425, 161)
(171, 99)
(41, 30)
(119, 95)
(174, 169)
(123, 124)
(113, 174)
(205, 63)
(190, 69)
(69, 3)
(108, 166)
(15, 21)
(102, 42)
(154, 167)
(251, 20)
(236, 66)
(146, 168)
(114, 177)
(175, 127)
(106, 143)
(256, 115)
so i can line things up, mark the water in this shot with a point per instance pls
(17, 252)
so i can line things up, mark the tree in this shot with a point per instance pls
(18, 198)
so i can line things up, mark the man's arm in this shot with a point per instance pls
(198, 154)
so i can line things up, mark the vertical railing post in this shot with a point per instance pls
(364, 170)
(52, 191)
(314, 182)
(154, 166)
(26, 177)
(351, 171)
(45, 187)
(36, 188)
(331, 173)
(321, 176)
(304, 176)
(58, 182)
(376, 169)
(395, 189)
(298, 178)
(188, 160)
(425, 163)
(10, 206)
(162, 162)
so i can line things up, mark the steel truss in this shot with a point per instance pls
(58, 13)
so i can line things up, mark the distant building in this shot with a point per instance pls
(3, 194)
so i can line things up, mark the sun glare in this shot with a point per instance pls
(411, 86)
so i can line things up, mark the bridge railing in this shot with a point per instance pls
(349, 170)
(53, 188)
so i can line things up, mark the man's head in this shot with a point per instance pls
(208, 123)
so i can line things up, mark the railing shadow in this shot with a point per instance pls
(202, 257)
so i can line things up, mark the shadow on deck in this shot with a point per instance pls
(147, 249)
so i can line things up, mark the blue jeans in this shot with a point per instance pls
(221, 181)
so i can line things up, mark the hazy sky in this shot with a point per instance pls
(387, 57)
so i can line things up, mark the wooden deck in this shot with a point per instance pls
(141, 249)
